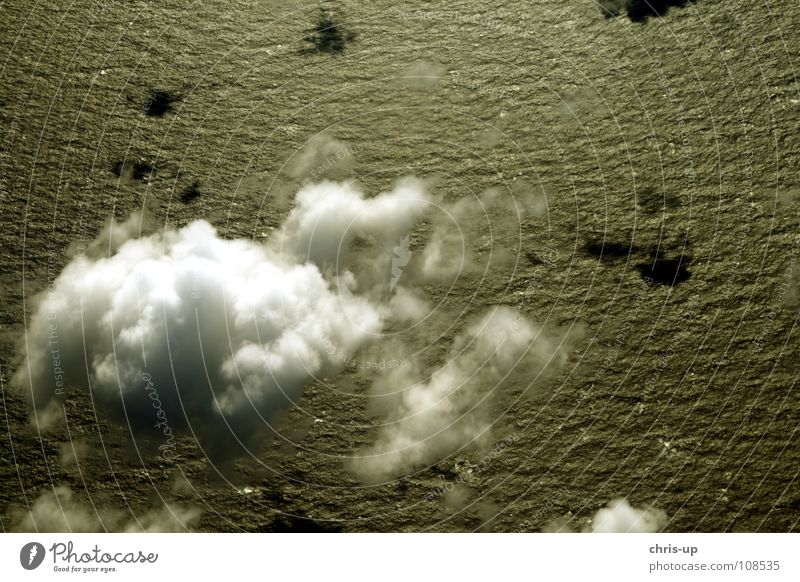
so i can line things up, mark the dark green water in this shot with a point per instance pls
(671, 144)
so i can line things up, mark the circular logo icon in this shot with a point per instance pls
(31, 555)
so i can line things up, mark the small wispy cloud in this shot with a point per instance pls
(59, 511)
(431, 419)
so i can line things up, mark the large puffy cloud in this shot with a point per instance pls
(430, 419)
(186, 331)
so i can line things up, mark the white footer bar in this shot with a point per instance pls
(400, 557)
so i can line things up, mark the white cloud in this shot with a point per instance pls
(328, 216)
(188, 332)
(165, 519)
(58, 511)
(619, 517)
(430, 419)
(322, 156)
(423, 75)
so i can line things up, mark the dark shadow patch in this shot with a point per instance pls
(663, 271)
(142, 171)
(158, 103)
(190, 193)
(298, 524)
(655, 202)
(639, 10)
(328, 36)
(137, 171)
(610, 251)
